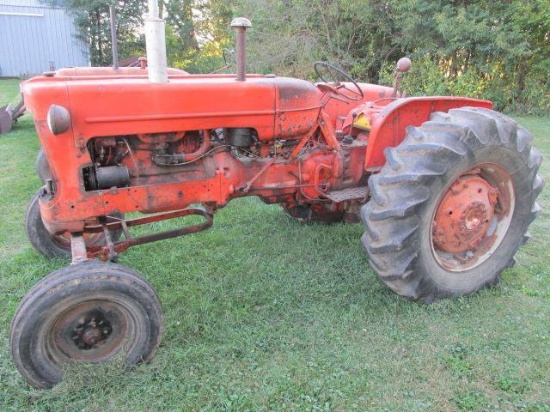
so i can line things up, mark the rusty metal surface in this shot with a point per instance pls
(464, 214)
(390, 118)
(90, 331)
(360, 192)
(472, 216)
(6, 121)
(9, 115)
(240, 25)
(106, 251)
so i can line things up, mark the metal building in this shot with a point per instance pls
(35, 38)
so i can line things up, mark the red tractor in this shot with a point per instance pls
(445, 187)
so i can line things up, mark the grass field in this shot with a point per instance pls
(266, 314)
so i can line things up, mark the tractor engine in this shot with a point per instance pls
(159, 158)
(134, 160)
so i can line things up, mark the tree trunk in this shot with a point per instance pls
(99, 40)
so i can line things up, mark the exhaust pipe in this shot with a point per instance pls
(240, 24)
(155, 43)
(114, 44)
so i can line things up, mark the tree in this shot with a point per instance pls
(288, 36)
(93, 20)
(196, 33)
(482, 49)
(494, 50)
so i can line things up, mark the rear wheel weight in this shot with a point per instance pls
(88, 312)
(453, 204)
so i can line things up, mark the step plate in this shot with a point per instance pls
(352, 193)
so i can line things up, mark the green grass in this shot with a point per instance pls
(265, 314)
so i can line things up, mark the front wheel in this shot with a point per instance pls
(58, 245)
(88, 312)
(42, 166)
(452, 205)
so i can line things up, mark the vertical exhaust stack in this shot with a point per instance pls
(155, 43)
(114, 48)
(240, 24)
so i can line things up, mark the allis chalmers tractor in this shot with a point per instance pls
(444, 186)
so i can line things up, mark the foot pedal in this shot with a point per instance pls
(352, 193)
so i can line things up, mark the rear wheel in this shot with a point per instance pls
(57, 245)
(88, 312)
(452, 205)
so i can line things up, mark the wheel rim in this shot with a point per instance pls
(472, 217)
(91, 331)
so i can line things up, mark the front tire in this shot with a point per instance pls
(452, 205)
(52, 246)
(88, 312)
(42, 166)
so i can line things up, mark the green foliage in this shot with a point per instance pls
(493, 50)
(196, 34)
(287, 37)
(484, 49)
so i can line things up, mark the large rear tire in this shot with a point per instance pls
(452, 205)
(86, 313)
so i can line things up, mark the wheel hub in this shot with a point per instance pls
(92, 332)
(473, 217)
(464, 215)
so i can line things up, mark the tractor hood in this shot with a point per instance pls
(122, 105)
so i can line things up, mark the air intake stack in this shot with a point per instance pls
(155, 42)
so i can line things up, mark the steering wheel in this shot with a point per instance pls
(332, 74)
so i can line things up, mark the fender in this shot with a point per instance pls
(389, 126)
